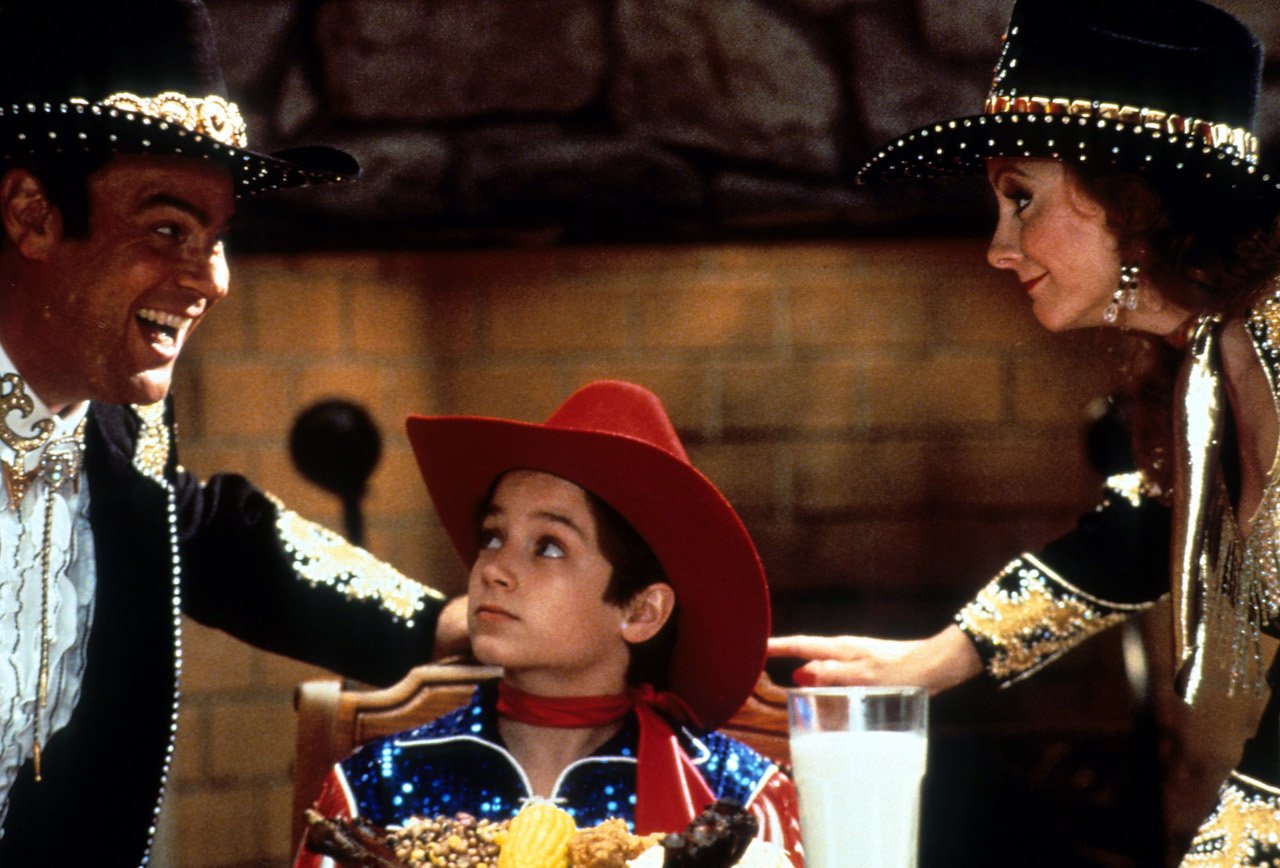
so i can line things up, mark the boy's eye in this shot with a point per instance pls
(549, 548)
(489, 540)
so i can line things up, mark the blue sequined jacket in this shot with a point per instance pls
(458, 764)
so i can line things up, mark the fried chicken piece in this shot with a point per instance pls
(608, 845)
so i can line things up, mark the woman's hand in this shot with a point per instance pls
(938, 662)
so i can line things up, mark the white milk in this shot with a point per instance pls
(859, 797)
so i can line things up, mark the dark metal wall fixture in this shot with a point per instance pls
(336, 445)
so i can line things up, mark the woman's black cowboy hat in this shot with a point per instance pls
(133, 77)
(1167, 87)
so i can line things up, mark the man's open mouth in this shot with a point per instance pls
(164, 329)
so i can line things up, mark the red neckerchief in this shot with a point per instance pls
(670, 791)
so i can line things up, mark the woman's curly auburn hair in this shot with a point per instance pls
(1208, 251)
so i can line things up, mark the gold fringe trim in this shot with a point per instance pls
(1246, 572)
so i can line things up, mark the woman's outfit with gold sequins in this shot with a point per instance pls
(1121, 558)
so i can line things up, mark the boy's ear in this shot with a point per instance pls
(645, 613)
(32, 223)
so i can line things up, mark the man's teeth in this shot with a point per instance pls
(172, 325)
(159, 317)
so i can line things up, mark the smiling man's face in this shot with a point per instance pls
(125, 298)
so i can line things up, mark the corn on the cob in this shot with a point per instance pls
(538, 837)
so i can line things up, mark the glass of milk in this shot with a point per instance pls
(859, 757)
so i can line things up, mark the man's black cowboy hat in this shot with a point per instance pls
(133, 77)
(1160, 86)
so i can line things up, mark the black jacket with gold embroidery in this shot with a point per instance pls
(1132, 549)
(1225, 584)
(227, 555)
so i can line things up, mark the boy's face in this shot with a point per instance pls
(536, 604)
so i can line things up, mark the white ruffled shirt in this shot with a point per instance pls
(72, 582)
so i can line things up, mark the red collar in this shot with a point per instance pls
(670, 791)
(561, 712)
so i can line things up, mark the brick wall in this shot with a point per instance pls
(886, 415)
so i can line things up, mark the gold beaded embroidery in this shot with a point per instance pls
(1132, 487)
(211, 116)
(1268, 311)
(1028, 616)
(1243, 830)
(323, 558)
(14, 399)
(17, 479)
(1235, 140)
(151, 454)
(59, 464)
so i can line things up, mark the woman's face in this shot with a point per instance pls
(1054, 236)
(537, 588)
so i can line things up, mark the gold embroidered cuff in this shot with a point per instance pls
(322, 557)
(1028, 616)
(1244, 828)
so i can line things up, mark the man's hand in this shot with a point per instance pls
(939, 662)
(451, 631)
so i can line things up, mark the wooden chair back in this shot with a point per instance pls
(332, 722)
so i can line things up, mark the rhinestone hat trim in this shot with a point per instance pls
(211, 116)
(1237, 141)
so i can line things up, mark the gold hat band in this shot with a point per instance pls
(211, 116)
(1236, 141)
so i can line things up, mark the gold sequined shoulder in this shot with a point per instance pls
(1263, 325)
(322, 557)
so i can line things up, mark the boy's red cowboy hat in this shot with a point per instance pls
(615, 440)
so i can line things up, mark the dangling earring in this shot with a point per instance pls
(1126, 294)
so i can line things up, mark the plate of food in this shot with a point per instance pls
(543, 835)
